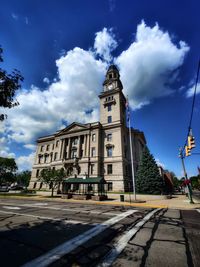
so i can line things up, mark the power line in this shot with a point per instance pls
(193, 102)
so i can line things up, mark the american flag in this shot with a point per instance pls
(127, 110)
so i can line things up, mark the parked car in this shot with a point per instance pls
(17, 187)
(4, 188)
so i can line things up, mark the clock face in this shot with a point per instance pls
(110, 86)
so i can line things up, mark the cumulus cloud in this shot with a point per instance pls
(148, 65)
(105, 43)
(25, 162)
(46, 80)
(159, 163)
(4, 149)
(190, 91)
(69, 98)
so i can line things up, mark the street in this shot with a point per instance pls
(48, 233)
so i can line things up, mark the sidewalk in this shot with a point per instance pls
(150, 201)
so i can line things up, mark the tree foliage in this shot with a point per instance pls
(8, 168)
(195, 182)
(52, 177)
(148, 179)
(9, 84)
(23, 178)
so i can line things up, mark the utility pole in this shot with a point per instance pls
(185, 176)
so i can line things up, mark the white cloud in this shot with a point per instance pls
(148, 65)
(25, 162)
(46, 80)
(69, 98)
(105, 43)
(159, 163)
(30, 146)
(4, 149)
(190, 91)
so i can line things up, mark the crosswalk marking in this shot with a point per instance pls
(70, 245)
(119, 246)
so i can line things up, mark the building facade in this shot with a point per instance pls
(99, 149)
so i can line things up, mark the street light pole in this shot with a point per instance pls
(185, 176)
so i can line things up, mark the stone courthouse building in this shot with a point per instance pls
(98, 149)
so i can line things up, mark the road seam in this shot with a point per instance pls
(119, 246)
(44, 217)
(65, 248)
(62, 209)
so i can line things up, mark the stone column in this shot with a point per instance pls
(61, 148)
(85, 141)
(69, 148)
(88, 146)
(79, 147)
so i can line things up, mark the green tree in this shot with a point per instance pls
(195, 182)
(8, 168)
(9, 84)
(23, 178)
(148, 179)
(52, 177)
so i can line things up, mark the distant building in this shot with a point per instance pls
(98, 149)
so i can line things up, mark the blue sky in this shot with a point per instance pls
(63, 49)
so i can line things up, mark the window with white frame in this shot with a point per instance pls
(109, 119)
(109, 151)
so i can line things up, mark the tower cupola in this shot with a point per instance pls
(112, 80)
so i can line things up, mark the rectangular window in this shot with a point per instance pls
(39, 159)
(109, 137)
(75, 141)
(52, 146)
(93, 137)
(92, 168)
(37, 173)
(109, 169)
(109, 119)
(110, 186)
(74, 153)
(55, 156)
(46, 158)
(81, 153)
(57, 143)
(41, 148)
(109, 107)
(47, 148)
(109, 152)
(93, 152)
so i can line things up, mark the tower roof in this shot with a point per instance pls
(112, 68)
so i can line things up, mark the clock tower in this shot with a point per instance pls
(112, 100)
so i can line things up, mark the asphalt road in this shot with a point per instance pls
(47, 233)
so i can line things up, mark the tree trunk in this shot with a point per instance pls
(52, 189)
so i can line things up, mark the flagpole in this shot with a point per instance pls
(131, 150)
